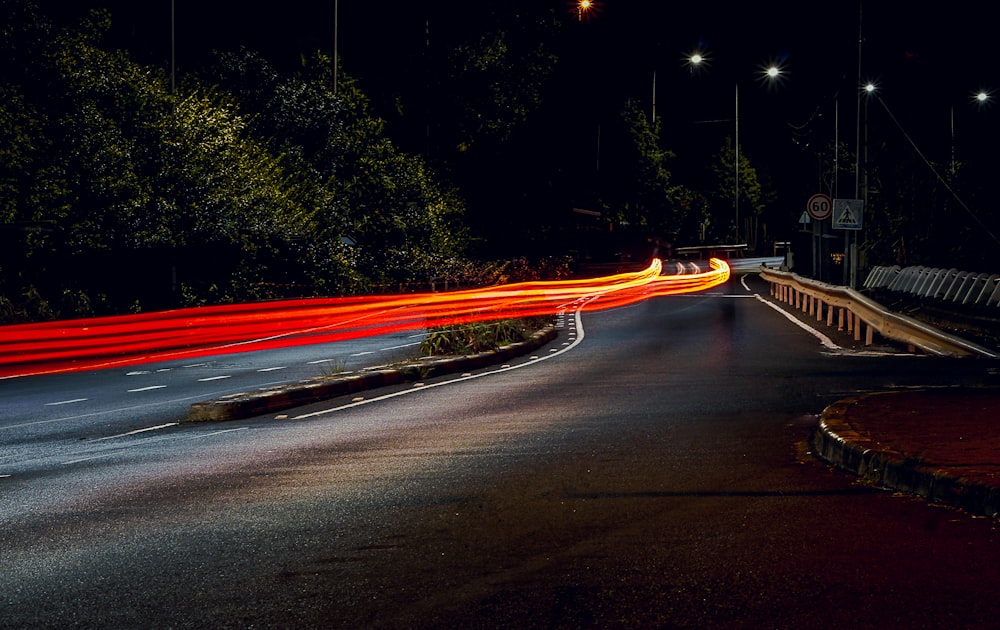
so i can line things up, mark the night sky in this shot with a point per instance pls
(927, 62)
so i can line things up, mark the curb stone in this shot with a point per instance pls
(249, 404)
(837, 442)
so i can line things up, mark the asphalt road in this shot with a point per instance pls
(649, 469)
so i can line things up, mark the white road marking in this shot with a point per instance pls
(321, 361)
(146, 389)
(272, 369)
(156, 428)
(119, 451)
(361, 354)
(219, 432)
(823, 339)
(214, 378)
(137, 373)
(65, 402)
(84, 459)
(578, 320)
(405, 345)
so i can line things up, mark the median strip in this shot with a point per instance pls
(250, 404)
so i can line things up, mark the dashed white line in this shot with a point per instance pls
(405, 345)
(361, 354)
(156, 428)
(214, 378)
(146, 389)
(320, 361)
(65, 402)
(272, 369)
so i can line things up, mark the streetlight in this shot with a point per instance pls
(584, 8)
(771, 72)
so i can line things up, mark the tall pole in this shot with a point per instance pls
(852, 244)
(173, 52)
(736, 197)
(653, 121)
(336, 10)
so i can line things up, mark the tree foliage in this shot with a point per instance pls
(249, 186)
(737, 188)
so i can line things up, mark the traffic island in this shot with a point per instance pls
(941, 444)
(251, 404)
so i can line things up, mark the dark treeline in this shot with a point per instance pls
(247, 181)
(117, 194)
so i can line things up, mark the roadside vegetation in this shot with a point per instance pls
(476, 337)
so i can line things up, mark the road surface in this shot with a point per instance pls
(648, 469)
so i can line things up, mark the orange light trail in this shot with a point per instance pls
(103, 342)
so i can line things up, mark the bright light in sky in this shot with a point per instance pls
(96, 343)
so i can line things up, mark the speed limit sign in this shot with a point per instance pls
(819, 207)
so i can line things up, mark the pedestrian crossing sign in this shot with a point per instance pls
(848, 214)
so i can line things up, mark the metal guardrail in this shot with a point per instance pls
(856, 312)
(948, 285)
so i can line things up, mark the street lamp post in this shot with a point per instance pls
(771, 73)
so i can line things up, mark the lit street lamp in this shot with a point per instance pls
(771, 73)
(584, 8)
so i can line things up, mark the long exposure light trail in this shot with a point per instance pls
(83, 344)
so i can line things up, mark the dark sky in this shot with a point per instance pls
(927, 61)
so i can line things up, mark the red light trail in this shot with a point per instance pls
(103, 342)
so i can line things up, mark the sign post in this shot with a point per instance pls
(819, 208)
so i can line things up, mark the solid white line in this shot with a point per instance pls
(146, 389)
(156, 428)
(426, 386)
(214, 378)
(823, 339)
(65, 402)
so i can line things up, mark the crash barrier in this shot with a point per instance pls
(947, 285)
(863, 317)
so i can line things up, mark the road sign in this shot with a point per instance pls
(819, 207)
(848, 214)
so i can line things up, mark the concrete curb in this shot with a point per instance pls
(838, 443)
(250, 404)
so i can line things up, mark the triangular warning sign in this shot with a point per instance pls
(847, 216)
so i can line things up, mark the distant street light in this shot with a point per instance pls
(772, 73)
(585, 8)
